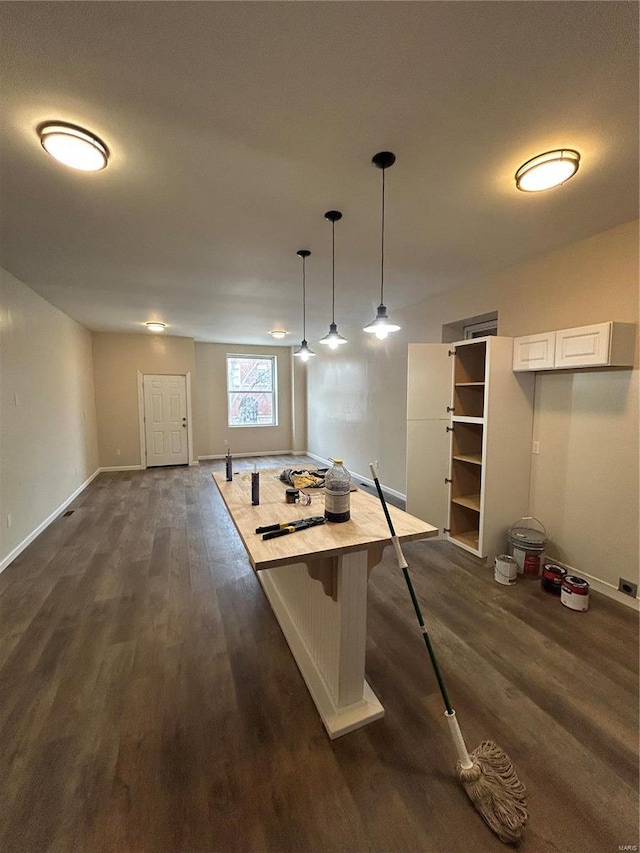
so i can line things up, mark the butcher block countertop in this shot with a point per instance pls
(366, 530)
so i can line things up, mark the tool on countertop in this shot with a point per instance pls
(273, 530)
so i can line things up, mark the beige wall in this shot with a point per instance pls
(210, 404)
(299, 406)
(584, 484)
(117, 360)
(48, 445)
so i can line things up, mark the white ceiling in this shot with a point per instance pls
(234, 126)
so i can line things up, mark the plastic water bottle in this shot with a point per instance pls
(337, 492)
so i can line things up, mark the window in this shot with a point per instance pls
(481, 330)
(251, 390)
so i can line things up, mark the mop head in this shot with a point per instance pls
(495, 790)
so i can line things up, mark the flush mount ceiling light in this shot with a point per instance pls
(381, 326)
(333, 339)
(547, 170)
(73, 146)
(155, 327)
(278, 333)
(304, 352)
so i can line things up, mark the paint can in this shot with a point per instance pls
(527, 540)
(575, 593)
(552, 577)
(506, 570)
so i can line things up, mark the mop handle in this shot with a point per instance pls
(402, 563)
(456, 736)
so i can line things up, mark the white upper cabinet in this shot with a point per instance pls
(534, 352)
(601, 345)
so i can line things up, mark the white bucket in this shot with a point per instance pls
(527, 540)
(506, 570)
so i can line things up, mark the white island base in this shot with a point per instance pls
(327, 635)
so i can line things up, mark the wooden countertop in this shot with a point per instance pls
(367, 528)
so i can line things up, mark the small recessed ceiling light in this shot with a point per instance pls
(547, 170)
(73, 146)
(278, 333)
(155, 327)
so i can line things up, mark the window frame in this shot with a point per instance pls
(484, 329)
(273, 359)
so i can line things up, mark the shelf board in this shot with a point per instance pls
(473, 458)
(469, 384)
(470, 501)
(470, 538)
(465, 419)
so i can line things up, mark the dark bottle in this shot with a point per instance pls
(337, 491)
(229, 466)
(255, 487)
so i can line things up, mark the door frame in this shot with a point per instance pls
(143, 438)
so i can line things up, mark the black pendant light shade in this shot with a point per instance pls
(381, 326)
(304, 352)
(333, 339)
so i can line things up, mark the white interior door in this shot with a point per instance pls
(165, 420)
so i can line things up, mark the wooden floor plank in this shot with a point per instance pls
(149, 702)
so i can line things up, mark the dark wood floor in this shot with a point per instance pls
(148, 701)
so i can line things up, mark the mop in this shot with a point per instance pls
(487, 774)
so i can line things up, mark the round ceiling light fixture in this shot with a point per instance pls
(547, 170)
(279, 334)
(156, 327)
(73, 146)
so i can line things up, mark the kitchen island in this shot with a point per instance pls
(316, 582)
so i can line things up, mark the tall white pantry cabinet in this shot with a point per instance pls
(469, 431)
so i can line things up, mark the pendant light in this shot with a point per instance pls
(304, 352)
(333, 339)
(381, 325)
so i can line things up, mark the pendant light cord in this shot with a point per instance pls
(382, 247)
(333, 272)
(304, 300)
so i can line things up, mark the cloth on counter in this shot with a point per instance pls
(303, 479)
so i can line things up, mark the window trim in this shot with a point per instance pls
(274, 393)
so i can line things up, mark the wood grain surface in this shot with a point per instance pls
(149, 702)
(366, 528)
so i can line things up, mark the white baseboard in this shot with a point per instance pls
(385, 489)
(260, 453)
(122, 468)
(598, 585)
(51, 518)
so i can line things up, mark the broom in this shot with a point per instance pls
(487, 774)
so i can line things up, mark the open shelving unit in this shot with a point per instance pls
(469, 427)
(469, 374)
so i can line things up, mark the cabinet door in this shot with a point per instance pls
(534, 352)
(428, 381)
(583, 347)
(427, 467)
